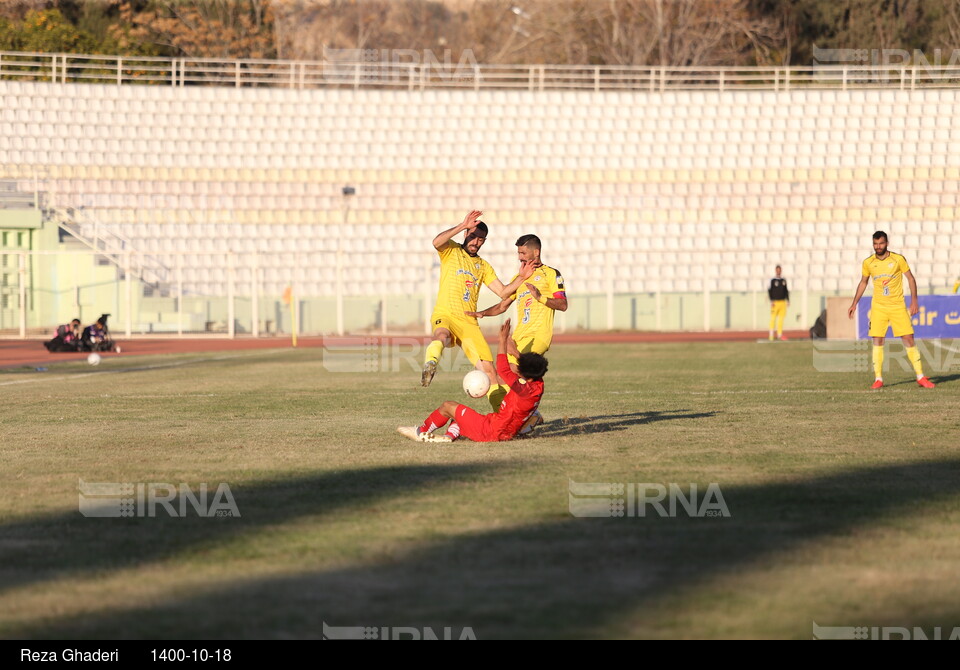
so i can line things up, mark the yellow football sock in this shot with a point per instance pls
(913, 355)
(434, 350)
(496, 395)
(878, 361)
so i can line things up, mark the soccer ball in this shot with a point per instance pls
(93, 359)
(476, 384)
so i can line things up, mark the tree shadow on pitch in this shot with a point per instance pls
(563, 577)
(66, 544)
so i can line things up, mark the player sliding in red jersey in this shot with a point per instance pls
(526, 389)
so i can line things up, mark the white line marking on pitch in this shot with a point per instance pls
(84, 375)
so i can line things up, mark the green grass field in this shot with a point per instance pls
(843, 502)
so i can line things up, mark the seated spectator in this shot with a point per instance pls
(66, 338)
(94, 336)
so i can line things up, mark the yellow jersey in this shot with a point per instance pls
(534, 319)
(460, 278)
(887, 278)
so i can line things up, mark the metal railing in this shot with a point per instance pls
(119, 70)
(109, 244)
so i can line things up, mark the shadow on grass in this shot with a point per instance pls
(562, 577)
(68, 544)
(611, 422)
(943, 379)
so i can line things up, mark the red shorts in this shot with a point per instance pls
(474, 425)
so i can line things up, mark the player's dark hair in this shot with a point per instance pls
(532, 367)
(481, 226)
(877, 235)
(531, 241)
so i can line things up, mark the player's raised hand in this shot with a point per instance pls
(475, 315)
(470, 220)
(505, 331)
(526, 269)
(534, 291)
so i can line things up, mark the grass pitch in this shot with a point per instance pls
(843, 502)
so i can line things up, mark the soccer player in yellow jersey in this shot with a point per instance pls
(462, 272)
(886, 270)
(537, 301)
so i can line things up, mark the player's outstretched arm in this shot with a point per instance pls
(503, 365)
(468, 224)
(504, 336)
(526, 271)
(860, 289)
(497, 309)
(512, 348)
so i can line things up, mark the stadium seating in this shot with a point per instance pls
(669, 191)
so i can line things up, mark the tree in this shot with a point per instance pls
(199, 28)
(46, 31)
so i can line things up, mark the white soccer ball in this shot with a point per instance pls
(93, 359)
(476, 384)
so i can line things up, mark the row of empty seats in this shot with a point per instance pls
(360, 160)
(930, 218)
(545, 137)
(673, 194)
(274, 98)
(620, 206)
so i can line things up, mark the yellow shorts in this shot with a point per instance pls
(537, 345)
(465, 334)
(880, 318)
(778, 308)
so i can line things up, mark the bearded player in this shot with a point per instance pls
(887, 269)
(462, 271)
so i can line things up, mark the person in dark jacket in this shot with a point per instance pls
(779, 299)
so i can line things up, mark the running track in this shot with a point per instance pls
(30, 353)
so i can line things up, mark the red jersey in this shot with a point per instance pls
(517, 406)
